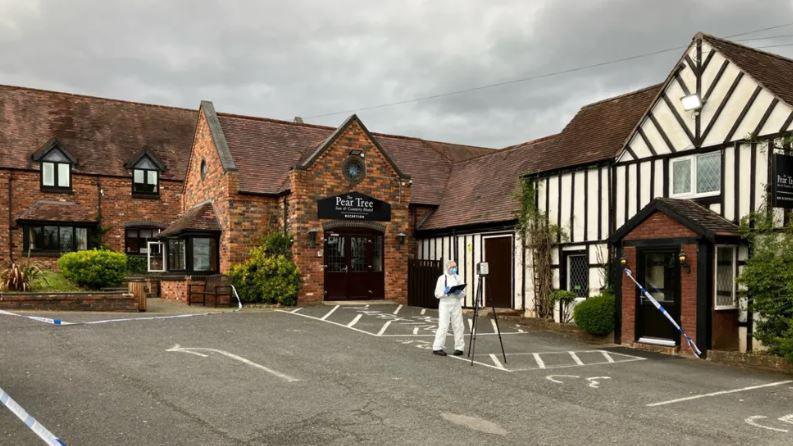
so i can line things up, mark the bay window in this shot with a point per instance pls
(696, 176)
(193, 253)
(55, 238)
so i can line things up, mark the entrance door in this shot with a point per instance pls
(498, 285)
(354, 265)
(659, 272)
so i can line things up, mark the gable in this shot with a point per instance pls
(736, 105)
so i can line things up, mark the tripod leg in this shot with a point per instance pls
(498, 329)
(477, 305)
(473, 329)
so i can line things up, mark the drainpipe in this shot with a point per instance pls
(10, 217)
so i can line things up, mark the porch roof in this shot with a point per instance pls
(201, 218)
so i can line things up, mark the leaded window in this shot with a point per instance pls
(726, 269)
(696, 176)
(578, 274)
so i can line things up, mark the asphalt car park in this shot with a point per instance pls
(362, 375)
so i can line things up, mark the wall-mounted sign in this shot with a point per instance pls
(782, 181)
(353, 206)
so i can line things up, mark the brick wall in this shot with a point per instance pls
(324, 178)
(175, 288)
(660, 226)
(76, 301)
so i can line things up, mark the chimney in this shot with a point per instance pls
(298, 120)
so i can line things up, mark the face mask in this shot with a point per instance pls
(453, 270)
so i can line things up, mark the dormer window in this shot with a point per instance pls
(146, 169)
(56, 167)
(145, 178)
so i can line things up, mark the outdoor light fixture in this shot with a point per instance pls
(683, 259)
(356, 153)
(691, 102)
(312, 238)
(401, 238)
(623, 262)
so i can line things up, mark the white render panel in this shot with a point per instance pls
(713, 67)
(761, 175)
(670, 125)
(596, 280)
(729, 115)
(592, 200)
(469, 268)
(645, 186)
(553, 196)
(540, 186)
(674, 92)
(577, 218)
(687, 75)
(754, 115)
(721, 89)
(776, 119)
(604, 197)
(729, 182)
(518, 292)
(743, 199)
(658, 190)
(655, 138)
(632, 185)
(566, 210)
(639, 147)
(619, 201)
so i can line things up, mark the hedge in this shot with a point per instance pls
(94, 269)
(596, 314)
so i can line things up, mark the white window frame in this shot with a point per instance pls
(734, 305)
(692, 193)
(148, 257)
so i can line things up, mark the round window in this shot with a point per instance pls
(354, 169)
(203, 169)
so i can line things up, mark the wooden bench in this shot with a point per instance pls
(213, 290)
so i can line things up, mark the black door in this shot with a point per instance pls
(659, 273)
(498, 284)
(354, 265)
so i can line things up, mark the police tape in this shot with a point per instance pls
(61, 322)
(694, 349)
(46, 320)
(29, 421)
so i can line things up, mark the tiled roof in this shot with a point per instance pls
(265, 149)
(484, 189)
(699, 219)
(102, 134)
(772, 71)
(201, 217)
(54, 210)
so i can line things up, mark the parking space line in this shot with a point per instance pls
(37, 428)
(327, 322)
(470, 324)
(496, 361)
(384, 328)
(296, 310)
(355, 321)
(415, 330)
(397, 309)
(721, 392)
(576, 359)
(329, 312)
(494, 325)
(607, 356)
(538, 360)
(423, 311)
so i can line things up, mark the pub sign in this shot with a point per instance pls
(782, 181)
(353, 206)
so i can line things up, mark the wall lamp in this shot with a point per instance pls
(683, 259)
(401, 237)
(623, 262)
(691, 103)
(312, 238)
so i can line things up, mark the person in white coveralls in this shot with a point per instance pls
(450, 309)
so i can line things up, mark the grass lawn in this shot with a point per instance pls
(54, 281)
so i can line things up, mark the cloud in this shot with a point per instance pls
(282, 59)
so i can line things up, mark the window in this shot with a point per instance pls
(204, 254)
(145, 178)
(578, 274)
(136, 240)
(697, 176)
(203, 169)
(726, 269)
(177, 255)
(55, 238)
(56, 171)
(193, 254)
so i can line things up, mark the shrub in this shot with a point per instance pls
(277, 243)
(94, 269)
(137, 264)
(266, 278)
(565, 298)
(21, 276)
(596, 314)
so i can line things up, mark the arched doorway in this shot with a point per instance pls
(354, 263)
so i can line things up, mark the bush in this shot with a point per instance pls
(266, 278)
(94, 269)
(565, 298)
(596, 314)
(137, 264)
(277, 243)
(21, 276)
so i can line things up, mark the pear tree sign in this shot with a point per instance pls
(353, 206)
(782, 183)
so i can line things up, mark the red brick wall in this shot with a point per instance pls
(660, 226)
(174, 289)
(106, 198)
(77, 301)
(324, 178)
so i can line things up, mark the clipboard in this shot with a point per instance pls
(456, 289)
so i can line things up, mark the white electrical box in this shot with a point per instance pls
(482, 268)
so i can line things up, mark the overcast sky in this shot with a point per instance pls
(282, 59)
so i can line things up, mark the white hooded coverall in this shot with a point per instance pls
(449, 309)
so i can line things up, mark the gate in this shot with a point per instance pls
(422, 276)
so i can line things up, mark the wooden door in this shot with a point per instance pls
(354, 265)
(498, 285)
(659, 273)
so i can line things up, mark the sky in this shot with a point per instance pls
(324, 60)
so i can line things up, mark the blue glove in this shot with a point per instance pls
(446, 290)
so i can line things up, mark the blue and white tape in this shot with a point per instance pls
(694, 349)
(29, 421)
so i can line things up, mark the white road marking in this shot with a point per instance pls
(415, 330)
(397, 309)
(552, 378)
(496, 361)
(196, 350)
(722, 392)
(148, 318)
(786, 419)
(477, 424)
(576, 359)
(296, 310)
(594, 383)
(37, 428)
(484, 364)
(329, 312)
(493, 324)
(538, 360)
(607, 356)
(384, 328)
(423, 311)
(355, 320)
(751, 421)
(470, 324)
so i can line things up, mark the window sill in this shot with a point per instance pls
(146, 196)
(46, 253)
(57, 190)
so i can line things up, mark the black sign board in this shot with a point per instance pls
(783, 181)
(353, 206)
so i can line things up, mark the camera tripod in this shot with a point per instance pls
(477, 306)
